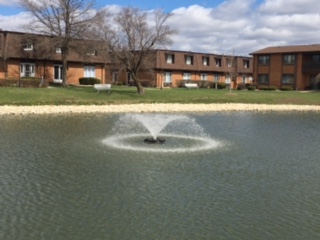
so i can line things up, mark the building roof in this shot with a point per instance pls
(289, 49)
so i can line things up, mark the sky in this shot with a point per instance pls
(237, 27)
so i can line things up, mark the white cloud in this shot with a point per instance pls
(238, 25)
(289, 6)
(14, 22)
(8, 2)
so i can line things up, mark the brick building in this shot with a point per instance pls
(293, 66)
(31, 55)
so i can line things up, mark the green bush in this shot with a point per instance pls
(286, 88)
(89, 81)
(241, 86)
(221, 85)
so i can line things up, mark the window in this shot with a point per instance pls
(189, 60)
(289, 59)
(216, 77)
(230, 62)
(170, 58)
(28, 46)
(287, 78)
(205, 61)
(244, 79)
(264, 60)
(168, 77)
(89, 71)
(315, 58)
(58, 50)
(204, 76)
(246, 63)
(92, 53)
(114, 76)
(218, 62)
(228, 79)
(57, 75)
(27, 70)
(186, 76)
(263, 78)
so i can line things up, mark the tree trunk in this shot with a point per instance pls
(140, 89)
(64, 69)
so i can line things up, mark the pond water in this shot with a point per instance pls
(61, 180)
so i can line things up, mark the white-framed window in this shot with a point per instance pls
(204, 76)
(244, 79)
(205, 61)
(28, 46)
(168, 77)
(58, 50)
(228, 79)
(170, 58)
(89, 71)
(218, 62)
(186, 76)
(230, 62)
(27, 70)
(189, 60)
(289, 59)
(57, 73)
(288, 79)
(92, 52)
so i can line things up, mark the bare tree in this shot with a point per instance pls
(66, 20)
(232, 69)
(131, 37)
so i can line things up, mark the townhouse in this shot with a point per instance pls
(288, 66)
(31, 55)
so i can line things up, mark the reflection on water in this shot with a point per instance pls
(59, 181)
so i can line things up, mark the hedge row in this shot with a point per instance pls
(89, 81)
(23, 82)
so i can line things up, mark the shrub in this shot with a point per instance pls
(204, 84)
(286, 88)
(268, 88)
(241, 86)
(252, 87)
(221, 85)
(89, 81)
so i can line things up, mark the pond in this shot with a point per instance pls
(62, 179)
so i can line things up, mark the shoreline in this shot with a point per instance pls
(153, 108)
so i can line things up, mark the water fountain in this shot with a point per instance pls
(179, 133)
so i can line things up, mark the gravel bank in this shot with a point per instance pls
(136, 108)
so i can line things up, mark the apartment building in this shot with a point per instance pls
(31, 55)
(172, 68)
(175, 67)
(294, 66)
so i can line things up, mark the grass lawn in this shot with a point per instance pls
(127, 95)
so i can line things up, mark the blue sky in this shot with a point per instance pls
(9, 7)
(217, 26)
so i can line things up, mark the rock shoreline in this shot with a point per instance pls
(160, 108)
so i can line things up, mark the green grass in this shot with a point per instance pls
(127, 95)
